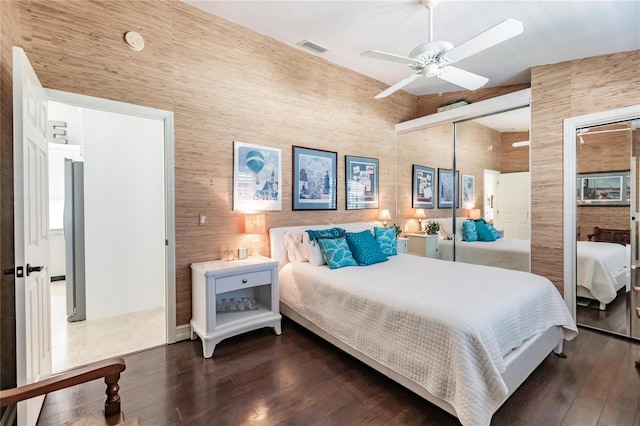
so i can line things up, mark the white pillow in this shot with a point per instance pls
(296, 251)
(312, 249)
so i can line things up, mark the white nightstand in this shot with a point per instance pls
(402, 244)
(423, 245)
(233, 297)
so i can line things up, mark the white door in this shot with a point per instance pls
(31, 217)
(512, 204)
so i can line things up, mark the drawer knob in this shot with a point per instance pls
(244, 281)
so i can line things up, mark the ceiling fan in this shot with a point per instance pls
(433, 59)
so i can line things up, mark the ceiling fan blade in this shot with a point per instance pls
(399, 85)
(497, 34)
(462, 78)
(390, 57)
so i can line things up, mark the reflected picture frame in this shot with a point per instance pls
(447, 188)
(361, 182)
(604, 189)
(468, 192)
(315, 175)
(423, 187)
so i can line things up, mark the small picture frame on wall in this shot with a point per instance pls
(361, 181)
(423, 187)
(257, 173)
(314, 179)
(447, 185)
(468, 192)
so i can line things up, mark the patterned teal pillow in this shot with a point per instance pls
(336, 252)
(386, 238)
(325, 233)
(494, 231)
(469, 232)
(365, 249)
(484, 234)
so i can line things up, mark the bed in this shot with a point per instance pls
(462, 336)
(602, 268)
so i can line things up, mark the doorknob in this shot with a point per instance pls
(31, 269)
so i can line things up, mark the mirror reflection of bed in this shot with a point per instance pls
(608, 276)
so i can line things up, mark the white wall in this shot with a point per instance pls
(124, 208)
(124, 213)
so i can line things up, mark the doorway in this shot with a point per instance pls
(127, 151)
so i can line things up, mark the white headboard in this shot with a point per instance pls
(279, 252)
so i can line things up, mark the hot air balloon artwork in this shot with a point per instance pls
(257, 173)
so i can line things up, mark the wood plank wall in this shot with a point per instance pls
(562, 91)
(224, 83)
(9, 35)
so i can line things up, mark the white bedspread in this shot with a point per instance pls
(444, 325)
(597, 266)
(510, 253)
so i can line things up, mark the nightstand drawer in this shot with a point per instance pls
(235, 282)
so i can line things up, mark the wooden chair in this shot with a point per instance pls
(109, 370)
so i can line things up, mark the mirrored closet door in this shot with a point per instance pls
(470, 163)
(492, 156)
(607, 208)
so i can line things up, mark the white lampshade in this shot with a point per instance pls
(384, 215)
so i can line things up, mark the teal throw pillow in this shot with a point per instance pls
(336, 252)
(365, 249)
(325, 233)
(494, 231)
(386, 238)
(484, 234)
(469, 232)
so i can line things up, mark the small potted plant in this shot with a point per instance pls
(432, 229)
(398, 230)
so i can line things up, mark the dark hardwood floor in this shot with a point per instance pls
(298, 379)
(615, 318)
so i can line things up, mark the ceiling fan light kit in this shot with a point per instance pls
(434, 58)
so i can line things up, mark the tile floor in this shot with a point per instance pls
(81, 342)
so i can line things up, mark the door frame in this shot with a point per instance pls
(571, 125)
(91, 102)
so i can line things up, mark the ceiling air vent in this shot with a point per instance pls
(311, 46)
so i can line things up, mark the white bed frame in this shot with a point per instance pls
(520, 363)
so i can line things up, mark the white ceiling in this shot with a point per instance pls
(554, 31)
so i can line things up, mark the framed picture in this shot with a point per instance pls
(447, 185)
(314, 179)
(468, 191)
(422, 187)
(604, 189)
(361, 180)
(257, 173)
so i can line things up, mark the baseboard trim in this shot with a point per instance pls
(183, 332)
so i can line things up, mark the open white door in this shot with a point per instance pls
(512, 204)
(33, 316)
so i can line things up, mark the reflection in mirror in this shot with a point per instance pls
(493, 153)
(420, 154)
(607, 169)
(489, 151)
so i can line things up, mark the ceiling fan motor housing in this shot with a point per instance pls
(430, 53)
